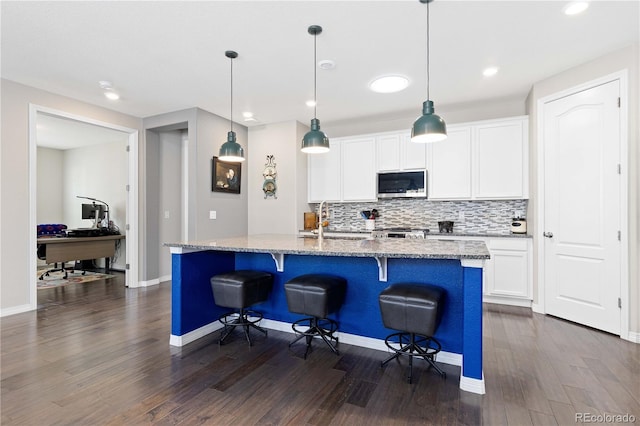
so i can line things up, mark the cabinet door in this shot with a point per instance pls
(388, 147)
(323, 178)
(450, 166)
(359, 169)
(508, 271)
(412, 155)
(500, 161)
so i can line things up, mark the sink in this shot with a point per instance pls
(338, 237)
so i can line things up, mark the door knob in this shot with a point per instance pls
(548, 234)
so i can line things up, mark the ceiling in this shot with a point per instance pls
(165, 56)
(63, 133)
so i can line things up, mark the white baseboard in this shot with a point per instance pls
(164, 278)
(194, 335)
(148, 283)
(16, 310)
(537, 308)
(470, 385)
(633, 337)
(511, 301)
(363, 342)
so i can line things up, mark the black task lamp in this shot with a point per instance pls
(430, 127)
(231, 150)
(315, 141)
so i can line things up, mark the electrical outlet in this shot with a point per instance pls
(461, 216)
(166, 214)
(213, 214)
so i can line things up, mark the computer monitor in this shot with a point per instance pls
(89, 211)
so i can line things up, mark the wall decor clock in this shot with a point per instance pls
(269, 174)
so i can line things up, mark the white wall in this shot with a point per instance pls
(50, 185)
(170, 192)
(96, 171)
(284, 214)
(231, 208)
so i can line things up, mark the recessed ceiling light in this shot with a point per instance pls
(490, 71)
(107, 86)
(310, 103)
(389, 84)
(110, 94)
(326, 64)
(575, 7)
(247, 114)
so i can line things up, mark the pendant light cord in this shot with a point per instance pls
(428, 52)
(231, 94)
(315, 78)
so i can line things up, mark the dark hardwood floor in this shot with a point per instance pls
(99, 354)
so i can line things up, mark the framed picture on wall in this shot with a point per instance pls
(225, 176)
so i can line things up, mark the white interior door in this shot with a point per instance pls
(582, 218)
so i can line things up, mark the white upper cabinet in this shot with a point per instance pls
(449, 165)
(359, 169)
(388, 147)
(324, 174)
(346, 173)
(486, 160)
(397, 152)
(500, 166)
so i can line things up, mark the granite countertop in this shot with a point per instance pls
(365, 247)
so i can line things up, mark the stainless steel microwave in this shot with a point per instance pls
(404, 184)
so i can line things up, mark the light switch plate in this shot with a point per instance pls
(213, 214)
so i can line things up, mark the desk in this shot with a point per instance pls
(67, 249)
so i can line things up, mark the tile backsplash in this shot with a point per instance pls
(479, 216)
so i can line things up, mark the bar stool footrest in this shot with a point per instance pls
(413, 345)
(316, 327)
(231, 320)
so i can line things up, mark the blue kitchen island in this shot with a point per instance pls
(369, 265)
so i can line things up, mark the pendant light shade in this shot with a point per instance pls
(429, 127)
(315, 141)
(231, 150)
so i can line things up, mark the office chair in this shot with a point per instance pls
(52, 230)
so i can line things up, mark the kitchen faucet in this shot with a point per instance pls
(320, 221)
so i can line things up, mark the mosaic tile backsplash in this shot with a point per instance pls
(492, 217)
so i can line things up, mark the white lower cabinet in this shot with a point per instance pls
(507, 276)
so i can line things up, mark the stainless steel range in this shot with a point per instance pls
(400, 233)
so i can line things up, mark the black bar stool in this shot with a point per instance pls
(316, 295)
(240, 290)
(414, 309)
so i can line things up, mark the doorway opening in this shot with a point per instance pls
(82, 141)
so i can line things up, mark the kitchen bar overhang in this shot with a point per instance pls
(368, 265)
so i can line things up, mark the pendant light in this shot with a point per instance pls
(315, 141)
(430, 127)
(231, 150)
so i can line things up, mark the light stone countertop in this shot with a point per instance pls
(350, 247)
